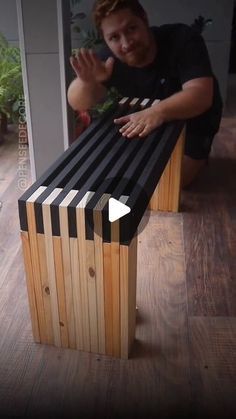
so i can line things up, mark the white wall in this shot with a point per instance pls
(217, 35)
(44, 81)
(8, 21)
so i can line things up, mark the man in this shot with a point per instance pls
(169, 63)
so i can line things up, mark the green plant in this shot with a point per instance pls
(113, 97)
(200, 24)
(11, 85)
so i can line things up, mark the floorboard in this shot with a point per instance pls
(213, 366)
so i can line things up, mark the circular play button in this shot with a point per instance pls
(116, 203)
(117, 209)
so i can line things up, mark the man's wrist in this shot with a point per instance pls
(160, 109)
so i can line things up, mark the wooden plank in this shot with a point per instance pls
(67, 269)
(98, 248)
(108, 307)
(132, 286)
(76, 293)
(162, 327)
(213, 365)
(128, 273)
(30, 285)
(124, 296)
(160, 198)
(59, 276)
(154, 201)
(115, 286)
(45, 288)
(92, 295)
(163, 184)
(35, 262)
(210, 242)
(51, 265)
(81, 237)
(175, 173)
(166, 186)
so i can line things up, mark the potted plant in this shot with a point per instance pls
(11, 85)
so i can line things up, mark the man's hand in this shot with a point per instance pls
(141, 123)
(89, 68)
(193, 100)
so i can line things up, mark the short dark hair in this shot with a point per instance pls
(103, 8)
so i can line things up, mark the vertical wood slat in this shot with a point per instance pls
(99, 256)
(128, 262)
(81, 237)
(83, 280)
(51, 264)
(92, 295)
(68, 263)
(59, 276)
(175, 173)
(115, 285)
(35, 262)
(45, 288)
(108, 298)
(132, 286)
(30, 285)
(76, 293)
(166, 190)
(167, 193)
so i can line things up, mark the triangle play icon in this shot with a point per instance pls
(116, 210)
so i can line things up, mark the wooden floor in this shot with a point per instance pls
(183, 362)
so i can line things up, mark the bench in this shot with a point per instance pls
(80, 267)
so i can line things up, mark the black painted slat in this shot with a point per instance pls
(130, 173)
(148, 179)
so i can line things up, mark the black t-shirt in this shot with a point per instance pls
(182, 55)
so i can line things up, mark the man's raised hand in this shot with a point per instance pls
(89, 68)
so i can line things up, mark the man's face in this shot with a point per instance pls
(128, 37)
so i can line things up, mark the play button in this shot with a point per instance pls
(106, 205)
(117, 209)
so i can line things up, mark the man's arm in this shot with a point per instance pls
(84, 95)
(195, 98)
(86, 90)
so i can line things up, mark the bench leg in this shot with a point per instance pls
(94, 284)
(167, 193)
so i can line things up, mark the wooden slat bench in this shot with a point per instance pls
(80, 268)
